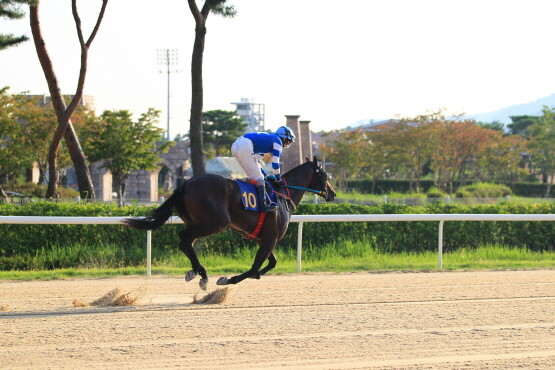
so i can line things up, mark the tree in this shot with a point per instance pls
(195, 127)
(376, 154)
(10, 10)
(38, 122)
(64, 112)
(344, 151)
(520, 123)
(221, 128)
(501, 159)
(542, 145)
(413, 145)
(456, 143)
(495, 125)
(14, 155)
(124, 145)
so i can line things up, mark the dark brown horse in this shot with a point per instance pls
(209, 203)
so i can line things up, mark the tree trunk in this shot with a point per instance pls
(548, 189)
(195, 128)
(53, 174)
(417, 184)
(82, 172)
(119, 184)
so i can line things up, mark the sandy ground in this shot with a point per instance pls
(447, 320)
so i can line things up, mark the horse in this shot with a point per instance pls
(209, 203)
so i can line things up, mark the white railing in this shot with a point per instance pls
(301, 219)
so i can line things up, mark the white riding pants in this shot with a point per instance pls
(243, 151)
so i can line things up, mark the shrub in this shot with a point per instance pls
(435, 192)
(524, 189)
(483, 190)
(20, 244)
(39, 191)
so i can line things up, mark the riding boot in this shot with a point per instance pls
(261, 190)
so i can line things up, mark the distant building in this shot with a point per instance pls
(224, 166)
(86, 100)
(251, 113)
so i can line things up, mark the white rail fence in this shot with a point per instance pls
(301, 219)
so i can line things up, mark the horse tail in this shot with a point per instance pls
(159, 216)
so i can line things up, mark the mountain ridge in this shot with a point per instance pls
(533, 108)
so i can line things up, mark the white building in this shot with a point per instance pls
(251, 113)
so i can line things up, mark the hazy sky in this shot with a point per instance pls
(332, 62)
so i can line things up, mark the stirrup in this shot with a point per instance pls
(269, 207)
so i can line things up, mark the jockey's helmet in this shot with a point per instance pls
(286, 134)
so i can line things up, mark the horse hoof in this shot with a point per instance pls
(222, 281)
(190, 275)
(203, 283)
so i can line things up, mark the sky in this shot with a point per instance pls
(334, 63)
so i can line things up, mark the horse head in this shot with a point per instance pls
(320, 181)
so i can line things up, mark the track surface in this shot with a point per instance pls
(478, 320)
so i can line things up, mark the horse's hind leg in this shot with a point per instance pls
(188, 237)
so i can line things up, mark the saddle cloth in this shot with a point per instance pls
(249, 196)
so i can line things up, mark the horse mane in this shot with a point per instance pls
(294, 169)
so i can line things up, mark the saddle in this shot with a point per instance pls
(248, 193)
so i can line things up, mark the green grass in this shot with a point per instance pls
(375, 197)
(334, 257)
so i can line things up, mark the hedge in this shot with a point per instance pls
(17, 240)
(523, 189)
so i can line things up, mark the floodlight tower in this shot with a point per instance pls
(167, 58)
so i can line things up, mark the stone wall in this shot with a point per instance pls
(102, 181)
(144, 184)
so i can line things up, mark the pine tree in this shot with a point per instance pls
(9, 9)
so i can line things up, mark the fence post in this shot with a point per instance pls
(385, 199)
(299, 246)
(440, 246)
(148, 252)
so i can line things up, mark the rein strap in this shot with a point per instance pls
(318, 192)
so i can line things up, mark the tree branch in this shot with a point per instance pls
(98, 21)
(84, 52)
(196, 13)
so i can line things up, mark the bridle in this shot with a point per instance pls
(322, 176)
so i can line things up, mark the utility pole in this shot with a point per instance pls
(167, 58)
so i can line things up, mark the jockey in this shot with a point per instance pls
(249, 149)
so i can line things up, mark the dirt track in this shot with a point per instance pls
(478, 320)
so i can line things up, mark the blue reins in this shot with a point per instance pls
(319, 192)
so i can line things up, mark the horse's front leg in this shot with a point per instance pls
(264, 252)
(272, 262)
